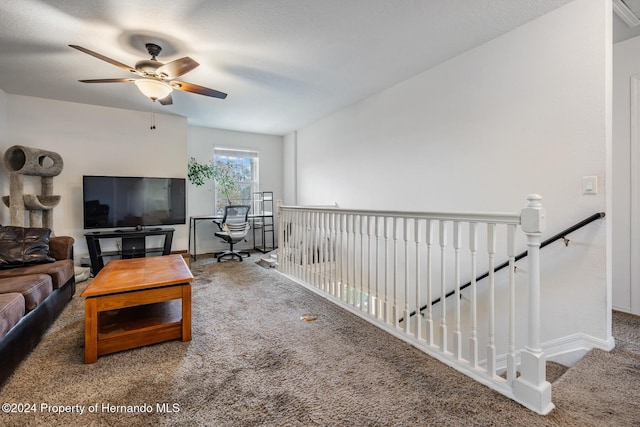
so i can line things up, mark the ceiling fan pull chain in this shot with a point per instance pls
(153, 117)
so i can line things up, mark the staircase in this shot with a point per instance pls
(602, 388)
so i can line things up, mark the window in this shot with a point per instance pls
(242, 166)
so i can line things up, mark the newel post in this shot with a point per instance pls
(531, 387)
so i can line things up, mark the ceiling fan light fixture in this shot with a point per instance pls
(153, 89)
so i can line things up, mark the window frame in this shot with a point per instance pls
(253, 185)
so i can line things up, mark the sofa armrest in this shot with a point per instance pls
(61, 247)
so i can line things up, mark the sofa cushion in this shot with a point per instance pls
(34, 288)
(61, 247)
(24, 246)
(11, 311)
(60, 271)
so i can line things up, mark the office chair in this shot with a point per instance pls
(234, 228)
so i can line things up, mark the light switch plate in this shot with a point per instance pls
(589, 185)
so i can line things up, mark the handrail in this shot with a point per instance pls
(496, 218)
(518, 257)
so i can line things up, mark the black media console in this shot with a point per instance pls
(132, 245)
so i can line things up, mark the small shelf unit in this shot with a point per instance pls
(263, 225)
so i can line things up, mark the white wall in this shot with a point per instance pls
(528, 112)
(96, 141)
(201, 144)
(290, 169)
(626, 63)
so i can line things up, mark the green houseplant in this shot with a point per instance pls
(222, 173)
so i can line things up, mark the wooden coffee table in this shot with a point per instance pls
(136, 302)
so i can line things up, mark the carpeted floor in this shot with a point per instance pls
(254, 361)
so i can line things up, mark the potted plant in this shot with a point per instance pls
(222, 173)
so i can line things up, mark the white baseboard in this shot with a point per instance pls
(569, 350)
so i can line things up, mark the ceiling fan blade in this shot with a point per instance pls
(104, 58)
(200, 90)
(167, 100)
(107, 80)
(176, 68)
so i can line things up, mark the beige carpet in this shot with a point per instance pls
(254, 362)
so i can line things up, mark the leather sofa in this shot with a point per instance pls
(32, 294)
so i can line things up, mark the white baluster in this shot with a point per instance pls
(491, 347)
(325, 250)
(315, 264)
(340, 254)
(378, 299)
(300, 242)
(362, 230)
(457, 334)
(443, 286)
(417, 228)
(350, 258)
(324, 240)
(370, 298)
(314, 246)
(473, 339)
(332, 253)
(396, 279)
(329, 251)
(318, 249)
(511, 253)
(387, 318)
(306, 238)
(429, 311)
(407, 310)
(286, 258)
(288, 250)
(325, 254)
(294, 244)
(356, 262)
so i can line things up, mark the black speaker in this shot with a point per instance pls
(133, 247)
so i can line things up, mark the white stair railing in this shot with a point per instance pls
(388, 267)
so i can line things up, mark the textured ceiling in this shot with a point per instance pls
(284, 63)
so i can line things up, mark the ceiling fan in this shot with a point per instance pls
(157, 79)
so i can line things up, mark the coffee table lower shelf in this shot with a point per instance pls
(139, 326)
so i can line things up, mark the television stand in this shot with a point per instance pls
(132, 245)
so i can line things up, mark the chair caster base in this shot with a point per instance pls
(232, 254)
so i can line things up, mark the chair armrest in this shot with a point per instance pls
(61, 247)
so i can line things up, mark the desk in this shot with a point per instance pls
(265, 217)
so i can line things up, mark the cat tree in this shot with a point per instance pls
(21, 161)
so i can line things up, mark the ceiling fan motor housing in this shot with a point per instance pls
(148, 66)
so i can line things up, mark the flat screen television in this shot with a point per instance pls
(125, 201)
